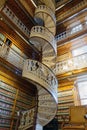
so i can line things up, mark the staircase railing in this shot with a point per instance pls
(46, 10)
(43, 33)
(41, 74)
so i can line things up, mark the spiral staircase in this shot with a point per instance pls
(40, 72)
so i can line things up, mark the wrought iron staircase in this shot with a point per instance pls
(40, 73)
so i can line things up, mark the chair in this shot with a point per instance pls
(77, 120)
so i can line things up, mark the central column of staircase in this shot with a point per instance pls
(40, 73)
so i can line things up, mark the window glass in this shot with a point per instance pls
(79, 51)
(82, 89)
(76, 28)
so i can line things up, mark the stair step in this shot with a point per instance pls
(45, 97)
(47, 100)
(45, 116)
(47, 106)
(47, 19)
(45, 54)
(42, 119)
(47, 48)
(50, 25)
(49, 58)
(42, 91)
(46, 111)
(49, 63)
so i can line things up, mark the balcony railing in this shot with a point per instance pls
(71, 64)
(11, 56)
(73, 10)
(14, 19)
(70, 32)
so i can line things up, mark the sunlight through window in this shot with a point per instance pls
(82, 89)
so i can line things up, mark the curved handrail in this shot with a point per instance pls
(44, 33)
(37, 70)
(43, 8)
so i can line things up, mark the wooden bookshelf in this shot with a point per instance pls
(65, 100)
(11, 101)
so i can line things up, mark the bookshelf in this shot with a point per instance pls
(7, 97)
(11, 101)
(65, 100)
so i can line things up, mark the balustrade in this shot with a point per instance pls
(8, 12)
(11, 56)
(70, 32)
(43, 73)
(71, 64)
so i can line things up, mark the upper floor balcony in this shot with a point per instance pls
(11, 56)
(75, 63)
(74, 32)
